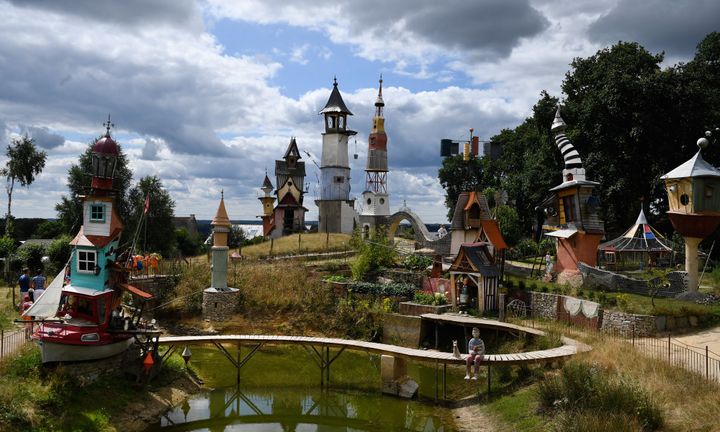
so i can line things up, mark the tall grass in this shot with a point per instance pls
(582, 389)
(299, 244)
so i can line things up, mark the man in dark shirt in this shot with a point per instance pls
(24, 283)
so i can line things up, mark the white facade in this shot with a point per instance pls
(375, 204)
(97, 216)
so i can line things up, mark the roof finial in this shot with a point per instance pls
(335, 80)
(222, 194)
(108, 125)
(380, 90)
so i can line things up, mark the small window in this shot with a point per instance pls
(382, 200)
(86, 261)
(97, 212)
(684, 199)
(369, 201)
(708, 192)
(339, 179)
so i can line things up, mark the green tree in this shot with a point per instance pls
(59, 253)
(24, 162)
(457, 176)
(7, 246)
(69, 209)
(187, 245)
(509, 222)
(236, 237)
(47, 230)
(157, 233)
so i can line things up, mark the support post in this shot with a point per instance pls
(436, 381)
(444, 381)
(691, 262)
(237, 376)
(488, 381)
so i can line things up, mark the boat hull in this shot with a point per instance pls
(59, 352)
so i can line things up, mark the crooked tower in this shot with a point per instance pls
(375, 198)
(267, 201)
(336, 212)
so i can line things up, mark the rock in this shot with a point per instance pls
(407, 388)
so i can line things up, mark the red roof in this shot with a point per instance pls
(106, 145)
(492, 231)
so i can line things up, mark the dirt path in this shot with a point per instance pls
(471, 417)
(709, 337)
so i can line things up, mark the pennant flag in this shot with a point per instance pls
(147, 204)
(648, 233)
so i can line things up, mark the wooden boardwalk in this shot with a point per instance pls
(569, 348)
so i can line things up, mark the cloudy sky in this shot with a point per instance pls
(206, 94)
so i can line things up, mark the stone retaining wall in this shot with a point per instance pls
(401, 330)
(411, 308)
(220, 305)
(627, 324)
(410, 277)
(603, 280)
(543, 305)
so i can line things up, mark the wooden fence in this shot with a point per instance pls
(11, 341)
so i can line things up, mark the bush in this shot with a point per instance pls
(30, 256)
(436, 299)
(526, 248)
(416, 262)
(377, 289)
(59, 253)
(372, 254)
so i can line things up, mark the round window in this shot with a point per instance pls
(369, 201)
(382, 200)
(289, 183)
(684, 199)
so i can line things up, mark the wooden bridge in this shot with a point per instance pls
(320, 350)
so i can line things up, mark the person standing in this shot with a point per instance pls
(442, 232)
(24, 283)
(476, 351)
(38, 284)
(548, 263)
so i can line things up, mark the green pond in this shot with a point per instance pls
(280, 390)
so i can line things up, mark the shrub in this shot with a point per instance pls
(377, 289)
(436, 299)
(336, 278)
(416, 262)
(526, 248)
(521, 285)
(622, 301)
(372, 254)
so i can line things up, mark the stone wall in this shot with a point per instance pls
(220, 305)
(628, 324)
(543, 305)
(401, 330)
(603, 280)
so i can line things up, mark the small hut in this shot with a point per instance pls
(639, 245)
(474, 278)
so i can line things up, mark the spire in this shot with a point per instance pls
(108, 125)
(573, 163)
(221, 216)
(379, 102)
(335, 103)
(292, 150)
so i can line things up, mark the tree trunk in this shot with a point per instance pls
(10, 186)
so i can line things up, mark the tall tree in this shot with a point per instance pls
(24, 162)
(153, 206)
(69, 209)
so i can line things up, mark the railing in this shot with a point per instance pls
(700, 360)
(11, 341)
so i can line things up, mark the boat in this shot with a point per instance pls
(81, 316)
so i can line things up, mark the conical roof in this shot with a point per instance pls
(221, 216)
(292, 150)
(694, 167)
(641, 237)
(267, 184)
(335, 103)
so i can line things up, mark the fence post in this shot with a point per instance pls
(669, 350)
(633, 334)
(707, 363)
(2, 343)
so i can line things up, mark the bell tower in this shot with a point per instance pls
(335, 208)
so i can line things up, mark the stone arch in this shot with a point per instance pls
(422, 235)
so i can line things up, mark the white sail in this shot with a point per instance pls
(47, 304)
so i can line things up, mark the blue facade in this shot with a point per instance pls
(82, 276)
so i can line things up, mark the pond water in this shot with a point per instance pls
(280, 390)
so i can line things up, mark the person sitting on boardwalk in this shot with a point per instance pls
(476, 351)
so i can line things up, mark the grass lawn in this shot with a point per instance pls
(518, 410)
(299, 243)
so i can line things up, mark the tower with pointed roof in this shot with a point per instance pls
(267, 201)
(694, 206)
(288, 216)
(336, 212)
(572, 212)
(97, 242)
(220, 301)
(375, 198)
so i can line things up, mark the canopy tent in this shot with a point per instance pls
(640, 239)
